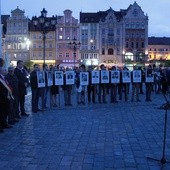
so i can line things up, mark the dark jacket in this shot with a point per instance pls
(22, 79)
(13, 82)
(33, 80)
(3, 94)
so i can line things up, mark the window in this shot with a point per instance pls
(127, 45)
(110, 51)
(132, 44)
(67, 55)
(142, 44)
(103, 51)
(60, 55)
(137, 45)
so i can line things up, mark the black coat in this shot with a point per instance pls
(3, 94)
(22, 79)
(33, 80)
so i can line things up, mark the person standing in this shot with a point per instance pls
(149, 73)
(21, 74)
(13, 82)
(34, 88)
(5, 97)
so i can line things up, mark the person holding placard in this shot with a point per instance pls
(80, 88)
(34, 88)
(149, 79)
(113, 86)
(102, 86)
(136, 79)
(67, 88)
(91, 88)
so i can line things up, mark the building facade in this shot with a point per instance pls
(67, 38)
(119, 36)
(158, 50)
(16, 38)
(42, 31)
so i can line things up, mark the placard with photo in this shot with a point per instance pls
(95, 77)
(41, 79)
(115, 76)
(49, 78)
(126, 76)
(84, 78)
(70, 77)
(104, 76)
(137, 77)
(58, 78)
(149, 77)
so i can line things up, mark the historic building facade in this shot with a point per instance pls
(67, 38)
(16, 38)
(158, 50)
(42, 31)
(119, 36)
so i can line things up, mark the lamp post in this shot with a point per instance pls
(74, 45)
(44, 24)
(91, 48)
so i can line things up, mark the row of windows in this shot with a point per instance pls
(160, 49)
(17, 46)
(67, 55)
(88, 56)
(49, 45)
(110, 51)
(135, 45)
(135, 35)
(135, 25)
(17, 31)
(39, 36)
(40, 54)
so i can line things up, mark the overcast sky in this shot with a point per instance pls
(158, 10)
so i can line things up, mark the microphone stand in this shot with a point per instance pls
(166, 106)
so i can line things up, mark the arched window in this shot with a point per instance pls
(110, 51)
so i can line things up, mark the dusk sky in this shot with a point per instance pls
(158, 11)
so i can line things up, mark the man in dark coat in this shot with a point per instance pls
(34, 88)
(21, 74)
(5, 97)
(13, 82)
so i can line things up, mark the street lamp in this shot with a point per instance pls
(44, 24)
(74, 45)
(91, 48)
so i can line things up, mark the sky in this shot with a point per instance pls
(158, 11)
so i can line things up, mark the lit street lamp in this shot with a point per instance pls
(44, 24)
(74, 45)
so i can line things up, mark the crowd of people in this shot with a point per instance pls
(13, 88)
(95, 86)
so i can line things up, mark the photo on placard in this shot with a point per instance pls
(115, 76)
(149, 76)
(49, 78)
(104, 76)
(84, 78)
(126, 76)
(70, 77)
(95, 77)
(59, 78)
(137, 77)
(41, 79)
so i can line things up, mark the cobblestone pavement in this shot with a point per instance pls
(94, 136)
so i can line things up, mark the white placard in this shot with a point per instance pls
(115, 76)
(58, 78)
(70, 77)
(95, 77)
(104, 76)
(49, 78)
(137, 77)
(149, 76)
(126, 76)
(41, 79)
(84, 78)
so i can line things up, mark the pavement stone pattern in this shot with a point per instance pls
(92, 137)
